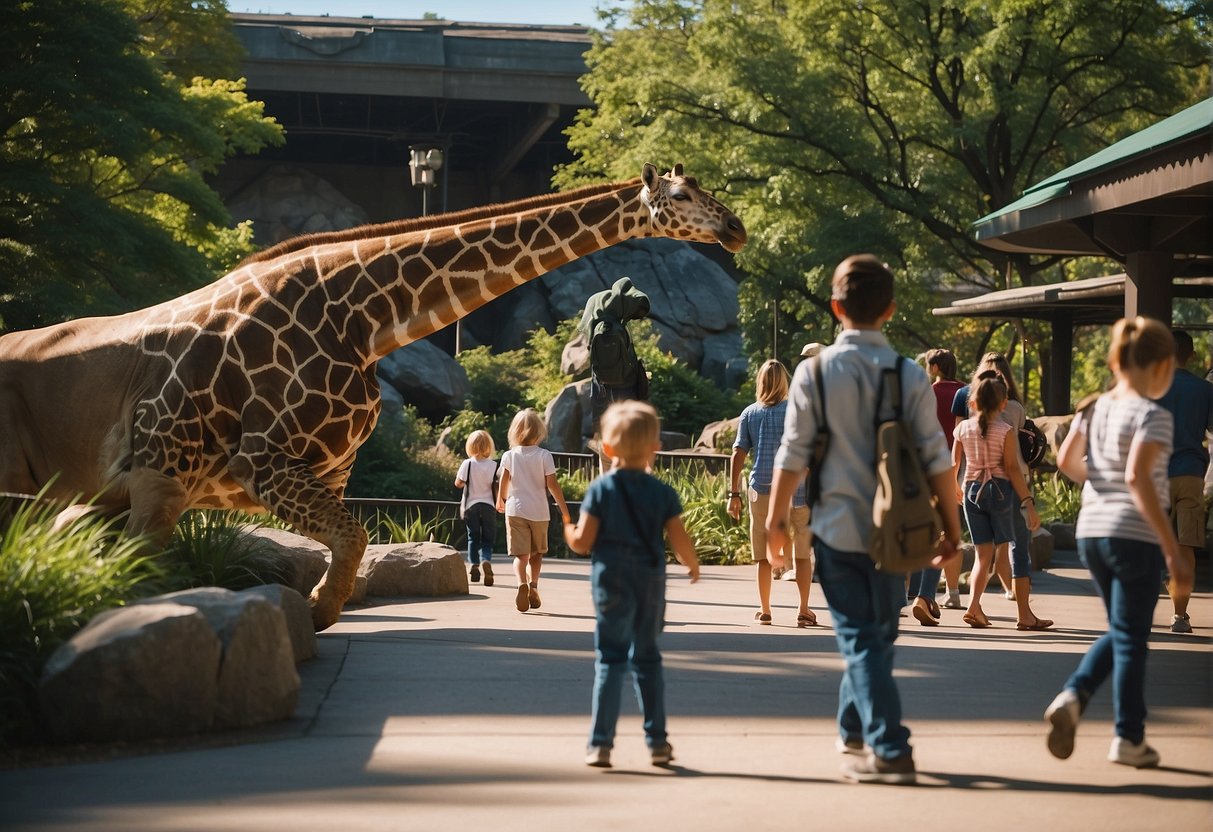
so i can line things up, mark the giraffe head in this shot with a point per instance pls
(680, 209)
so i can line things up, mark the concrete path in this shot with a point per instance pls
(464, 714)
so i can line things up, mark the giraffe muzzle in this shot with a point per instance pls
(732, 234)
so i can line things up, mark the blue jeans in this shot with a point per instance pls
(865, 605)
(481, 521)
(629, 608)
(1127, 574)
(1021, 545)
(924, 584)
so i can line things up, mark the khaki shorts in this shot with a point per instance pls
(1188, 510)
(525, 537)
(798, 522)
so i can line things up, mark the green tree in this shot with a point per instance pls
(887, 125)
(113, 113)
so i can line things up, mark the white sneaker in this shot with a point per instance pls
(790, 575)
(598, 757)
(1063, 714)
(1138, 755)
(1181, 623)
(850, 746)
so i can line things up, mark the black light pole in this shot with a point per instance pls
(424, 162)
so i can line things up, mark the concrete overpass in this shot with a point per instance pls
(354, 94)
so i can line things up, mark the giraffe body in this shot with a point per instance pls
(255, 392)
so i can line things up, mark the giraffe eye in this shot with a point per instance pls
(680, 196)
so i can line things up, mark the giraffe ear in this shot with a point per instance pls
(678, 170)
(649, 175)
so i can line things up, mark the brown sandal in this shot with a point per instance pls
(1038, 624)
(762, 617)
(975, 622)
(806, 619)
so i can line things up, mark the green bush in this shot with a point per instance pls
(52, 581)
(719, 539)
(400, 461)
(1057, 499)
(209, 548)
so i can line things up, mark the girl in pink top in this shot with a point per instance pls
(993, 485)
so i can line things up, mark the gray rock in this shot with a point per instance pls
(568, 418)
(425, 377)
(674, 441)
(257, 678)
(286, 201)
(304, 560)
(397, 570)
(1055, 429)
(297, 614)
(150, 670)
(1063, 535)
(717, 433)
(1042, 549)
(575, 359)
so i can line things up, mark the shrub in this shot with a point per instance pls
(52, 581)
(400, 461)
(719, 539)
(1057, 499)
(210, 549)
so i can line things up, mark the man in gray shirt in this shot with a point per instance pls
(865, 604)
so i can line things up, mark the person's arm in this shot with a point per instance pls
(683, 546)
(581, 536)
(503, 490)
(783, 486)
(943, 486)
(558, 495)
(465, 465)
(1138, 469)
(958, 457)
(1010, 462)
(1072, 455)
(735, 470)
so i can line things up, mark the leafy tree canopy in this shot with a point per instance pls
(887, 126)
(112, 114)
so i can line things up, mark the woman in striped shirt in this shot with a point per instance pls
(1120, 447)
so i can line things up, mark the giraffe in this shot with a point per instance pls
(255, 391)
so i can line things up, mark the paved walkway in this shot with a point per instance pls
(463, 714)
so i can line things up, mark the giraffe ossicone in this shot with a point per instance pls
(255, 391)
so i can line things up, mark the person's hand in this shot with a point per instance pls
(501, 507)
(1033, 518)
(945, 551)
(733, 506)
(693, 572)
(1179, 568)
(777, 542)
(960, 495)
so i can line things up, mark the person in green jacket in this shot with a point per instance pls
(617, 373)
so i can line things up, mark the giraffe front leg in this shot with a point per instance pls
(289, 489)
(157, 501)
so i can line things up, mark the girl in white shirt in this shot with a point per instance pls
(527, 472)
(478, 478)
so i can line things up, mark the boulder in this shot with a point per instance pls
(1063, 535)
(426, 377)
(1042, 549)
(297, 614)
(256, 674)
(716, 434)
(1055, 429)
(395, 570)
(303, 560)
(575, 358)
(568, 418)
(134, 673)
(674, 441)
(285, 201)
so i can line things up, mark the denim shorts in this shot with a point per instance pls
(988, 506)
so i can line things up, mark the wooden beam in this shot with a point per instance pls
(1148, 289)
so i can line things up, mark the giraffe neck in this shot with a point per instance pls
(411, 285)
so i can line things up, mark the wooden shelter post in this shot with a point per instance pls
(1061, 364)
(1148, 289)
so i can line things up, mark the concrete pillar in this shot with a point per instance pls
(1148, 289)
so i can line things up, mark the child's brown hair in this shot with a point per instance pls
(988, 393)
(863, 286)
(944, 361)
(631, 428)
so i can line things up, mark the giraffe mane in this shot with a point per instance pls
(385, 229)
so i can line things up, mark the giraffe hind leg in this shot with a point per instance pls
(157, 501)
(290, 489)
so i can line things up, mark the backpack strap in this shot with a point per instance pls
(893, 377)
(821, 442)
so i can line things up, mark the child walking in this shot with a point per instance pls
(478, 478)
(1120, 447)
(622, 519)
(527, 471)
(993, 488)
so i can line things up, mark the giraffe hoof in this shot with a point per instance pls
(323, 615)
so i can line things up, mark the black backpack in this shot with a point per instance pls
(612, 358)
(1032, 444)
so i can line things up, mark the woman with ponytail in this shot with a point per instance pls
(993, 486)
(1119, 448)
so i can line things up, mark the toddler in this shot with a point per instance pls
(478, 478)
